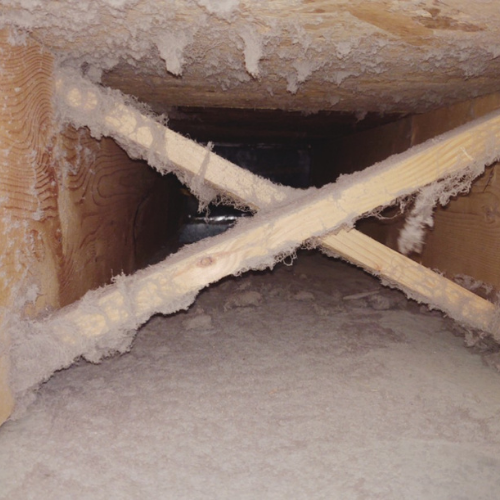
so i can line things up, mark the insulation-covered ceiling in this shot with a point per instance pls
(387, 56)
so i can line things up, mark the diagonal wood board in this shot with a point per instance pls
(98, 324)
(407, 173)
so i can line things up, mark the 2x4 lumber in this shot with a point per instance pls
(27, 191)
(86, 105)
(450, 155)
(253, 243)
(419, 282)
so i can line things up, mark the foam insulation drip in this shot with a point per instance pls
(412, 235)
(198, 182)
(221, 8)
(253, 51)
(171, 47)
(276, 48)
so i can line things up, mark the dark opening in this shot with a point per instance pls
(289, 148)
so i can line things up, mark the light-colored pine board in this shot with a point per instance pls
(161, 146)
(97, 324)
(255, 242)
(417, 281)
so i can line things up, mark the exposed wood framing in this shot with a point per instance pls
(289, 219)
(27, 191)
(462, 228)
(67, 202)
(101, 194)
(256, 242)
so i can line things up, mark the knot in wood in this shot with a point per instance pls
(206, 261)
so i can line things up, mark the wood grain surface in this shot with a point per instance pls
(69, 204)
(102, 194)
(466, 234)
(28, 190)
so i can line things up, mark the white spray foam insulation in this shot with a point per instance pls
(253, 50)
(171, 47)
(284, 43)
(412, 236)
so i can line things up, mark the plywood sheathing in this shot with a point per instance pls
(68, 204)
(28, 207)
(351, 55)
(112, 212)
(465, 236)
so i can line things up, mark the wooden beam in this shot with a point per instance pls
(417, 281)
(449, 155)
(84, 104)
(255, 243)
(27, 192)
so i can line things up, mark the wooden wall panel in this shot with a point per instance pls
(466, 234)
(465, 238)
(359, 150)
(69, 205)
(28, 190)
(102, 193)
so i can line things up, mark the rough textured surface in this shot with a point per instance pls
(289, 398)
(103, 322)
(307, 55)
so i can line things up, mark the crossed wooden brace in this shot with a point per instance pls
(287, 219)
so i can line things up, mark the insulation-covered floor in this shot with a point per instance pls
(285, 385)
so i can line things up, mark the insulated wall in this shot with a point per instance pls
(74, 211)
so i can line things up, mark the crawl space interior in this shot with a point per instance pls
(249, 249)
